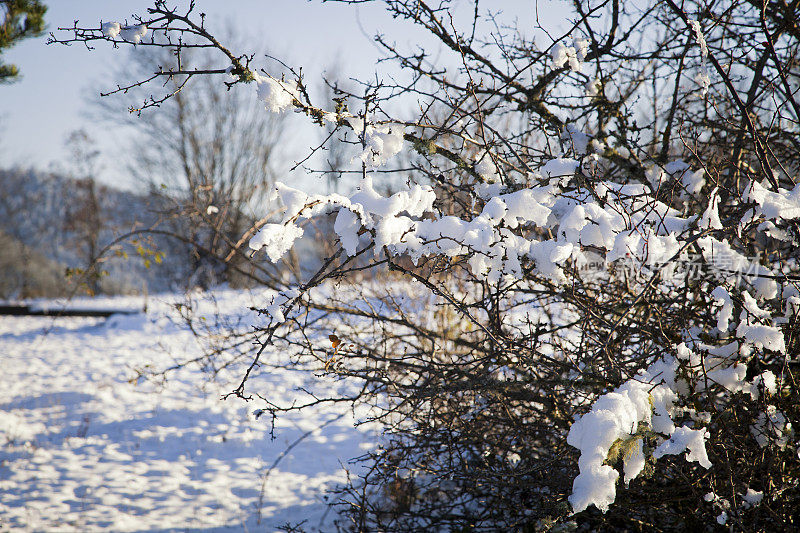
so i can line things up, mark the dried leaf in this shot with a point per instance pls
(335, 341)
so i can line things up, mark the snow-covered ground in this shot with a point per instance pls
(85, 448)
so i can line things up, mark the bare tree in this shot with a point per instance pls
(84, 219)
(209, 154)
(24, 271)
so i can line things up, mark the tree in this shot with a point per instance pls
(591, 272)
(21, 19)
(209, 154)
(84, 218)
(24, 271)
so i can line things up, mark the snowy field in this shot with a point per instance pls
(84, 448)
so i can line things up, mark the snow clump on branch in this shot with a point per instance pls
(133, 34)
(381, 141)
(574, 55)
(111, 29)
(624, 418)
(277, 95)
(277, 239)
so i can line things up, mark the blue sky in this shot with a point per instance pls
(54, 97)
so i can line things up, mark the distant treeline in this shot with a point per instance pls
(53, 227)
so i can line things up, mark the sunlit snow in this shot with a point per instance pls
(84, 449)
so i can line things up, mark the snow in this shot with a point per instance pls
(561, 54)
(762, 336)
(83, 447)
(527, 205)
(751, 498)
(784, 204)
(693, 181)
(593, 88)
(701, 40)
(401, 224)
(773, 231)
(710, 218)
(110, 29)
(686, 439)
(634, 462)
(486, 168)
(685, 354)
(731, 266)
(578, 139)
(771, 427)
(768, 380)
(732, 377)
(581, 46)
(626, 222)
(277, 239)
(574, 55)
(368, 209)
(725, 313)
(703, 80)
(615, 417)
(655, 176)
(383, 142)
(277, 95)
(133, 34)
(346, 227)
(560, 168)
